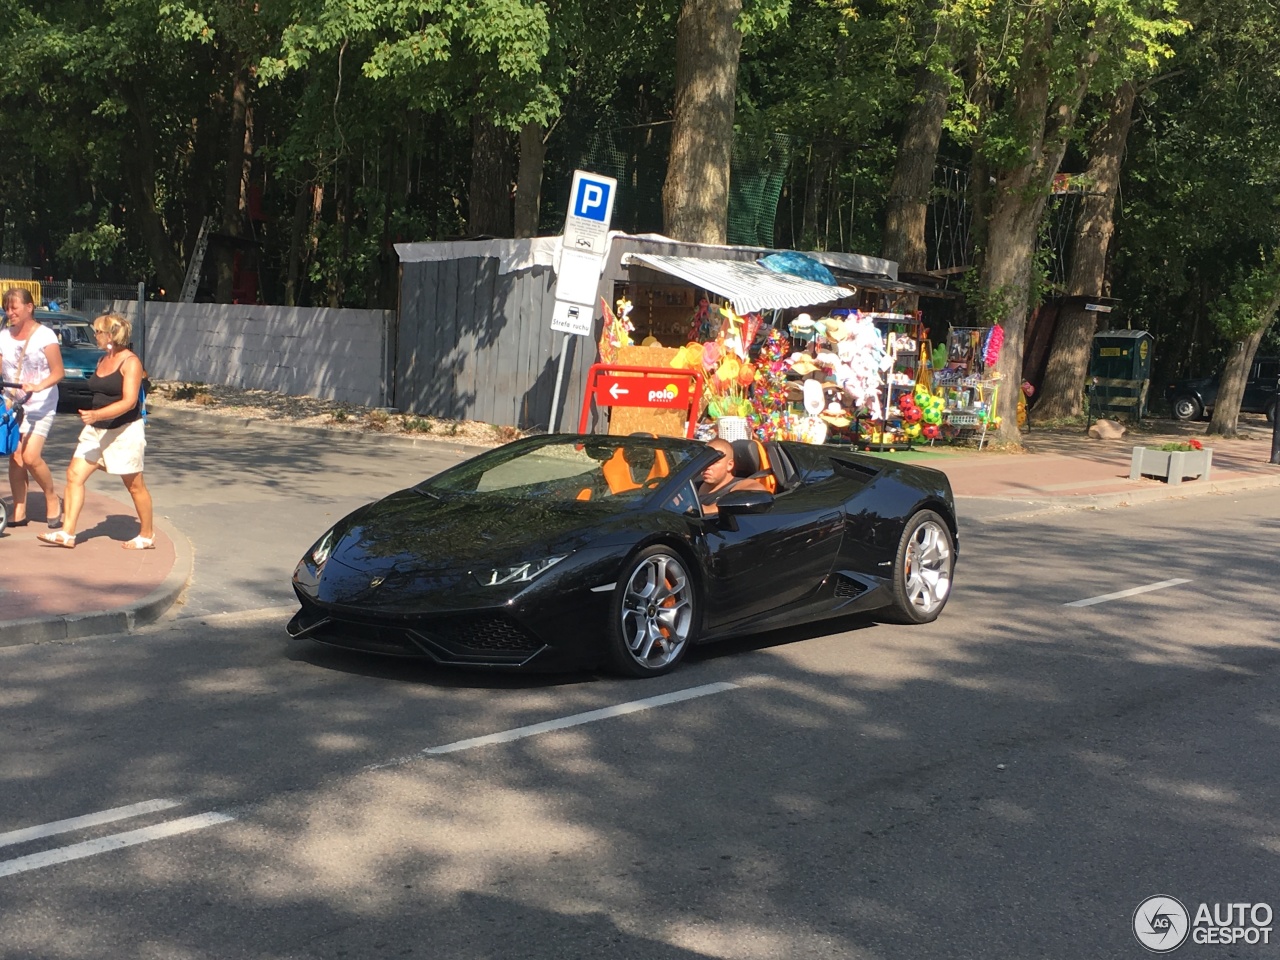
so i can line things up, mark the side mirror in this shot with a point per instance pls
(745, 501)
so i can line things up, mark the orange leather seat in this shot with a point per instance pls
(617, 473)
(750, 459)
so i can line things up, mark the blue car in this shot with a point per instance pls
(80, 355)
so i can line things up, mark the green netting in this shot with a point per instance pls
(756, 177)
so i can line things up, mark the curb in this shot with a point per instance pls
(98, 623)
(258, 425)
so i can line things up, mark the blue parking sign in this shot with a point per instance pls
(586, 224)
(592, 197)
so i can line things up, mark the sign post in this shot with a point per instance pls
(586, 240)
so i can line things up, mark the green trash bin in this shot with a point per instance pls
(1120, 373)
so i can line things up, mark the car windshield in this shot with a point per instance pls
(615, 470)
(76, 335)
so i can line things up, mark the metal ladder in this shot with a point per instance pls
(196, 263)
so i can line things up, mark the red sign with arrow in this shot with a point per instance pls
(662, 387)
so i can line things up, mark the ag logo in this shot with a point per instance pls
(1161, 924)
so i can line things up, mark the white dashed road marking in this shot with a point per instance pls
(1125, 593)
(604, 713)
(28, 834)
(117, 841)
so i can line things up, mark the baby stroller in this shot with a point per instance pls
(10, 421)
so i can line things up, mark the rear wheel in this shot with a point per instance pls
(1187, 408)
(922, 569)
(654, 617)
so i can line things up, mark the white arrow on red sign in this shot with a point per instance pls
(616, 391)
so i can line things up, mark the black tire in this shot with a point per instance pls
(655, 613)
(1187, 407)
(4, 517)
(922, 569)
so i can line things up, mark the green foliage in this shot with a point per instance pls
(1251, 300)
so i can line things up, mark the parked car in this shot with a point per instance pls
(577, 550)
(80, 355)
(1194, 398)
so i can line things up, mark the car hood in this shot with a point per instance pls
(412, 531)
(82, 359)
(414, 552)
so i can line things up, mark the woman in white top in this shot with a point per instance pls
(30, 355)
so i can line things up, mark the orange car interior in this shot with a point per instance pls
(619, 473)
(751, 459)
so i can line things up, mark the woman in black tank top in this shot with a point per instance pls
(108, 389)
(114, 434)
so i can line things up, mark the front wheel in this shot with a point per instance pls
(1187, 408)
(922, 569)
(654, 616)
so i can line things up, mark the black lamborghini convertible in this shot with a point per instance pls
(582, 550)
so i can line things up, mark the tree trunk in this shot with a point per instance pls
(533, 156)
(1062, 391)
(142, 181)
(817, 196)
(1017, 208)
(489, 196)
(342, 220)
(695, 196)
(908, 201)
(297, 230)
(235, 179)
(1226, 409)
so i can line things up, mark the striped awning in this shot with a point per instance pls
(748, 287)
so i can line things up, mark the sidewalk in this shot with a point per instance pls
(1065, 470)
(51, 594)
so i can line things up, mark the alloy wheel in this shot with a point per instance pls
(928, 564)
(657, 611)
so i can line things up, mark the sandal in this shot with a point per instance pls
(138, 543)
(59, 538)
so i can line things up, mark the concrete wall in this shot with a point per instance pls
(333, 354)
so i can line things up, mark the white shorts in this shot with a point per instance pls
(120, 448)
(40, 426)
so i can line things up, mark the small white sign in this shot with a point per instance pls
(569, 317)
(1097, 308)
(578, 278)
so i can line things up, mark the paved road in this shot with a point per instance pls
(1008, 782)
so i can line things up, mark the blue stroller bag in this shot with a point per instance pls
(10, 421)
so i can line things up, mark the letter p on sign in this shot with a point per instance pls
(591, 198)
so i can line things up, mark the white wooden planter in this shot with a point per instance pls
(1172, 466)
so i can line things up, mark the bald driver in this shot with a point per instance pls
(718, 478)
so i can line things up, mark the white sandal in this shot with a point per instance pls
(58, 538)
(138, 543)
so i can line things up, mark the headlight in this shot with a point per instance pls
(519, 573)
(320, 552)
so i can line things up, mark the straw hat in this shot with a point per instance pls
(835, 328)
(803, 364)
